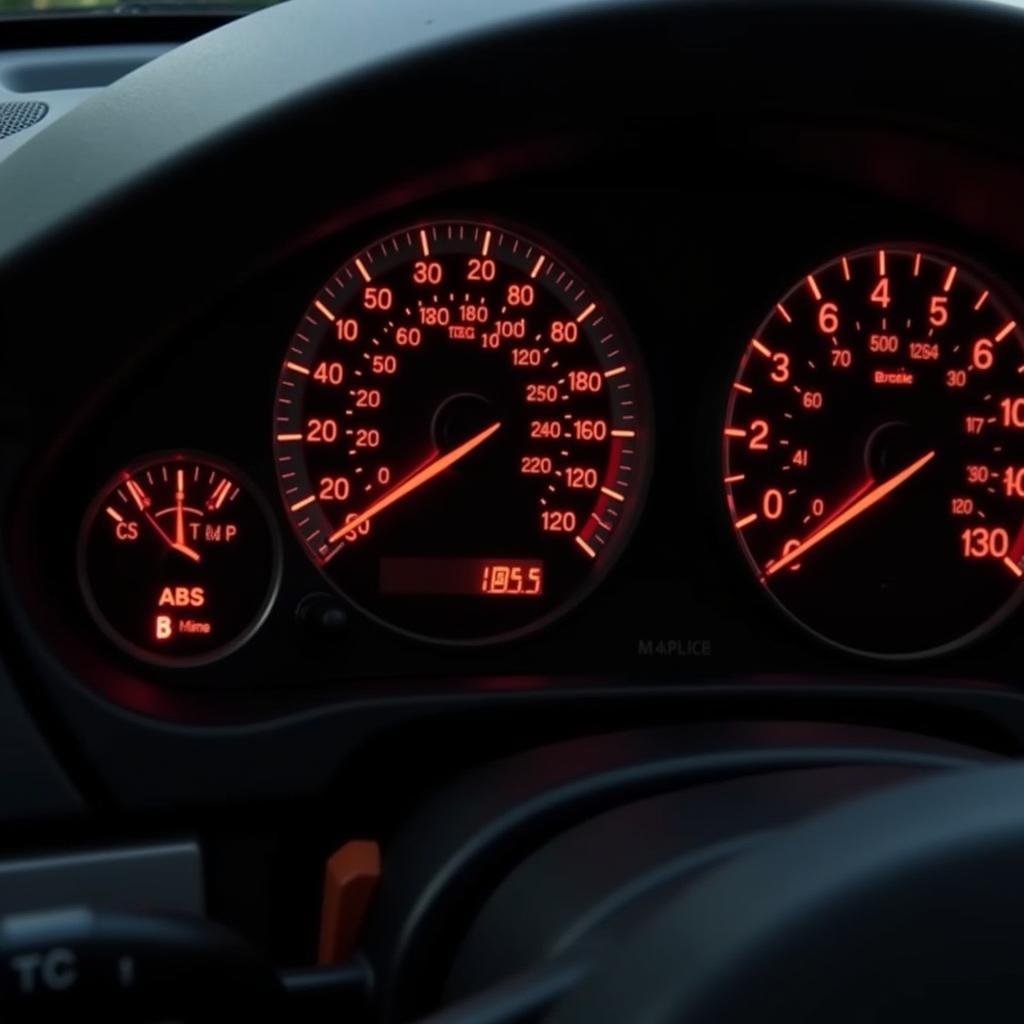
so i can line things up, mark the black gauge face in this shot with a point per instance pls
(874, 451)
(178, 559)
(461, 432)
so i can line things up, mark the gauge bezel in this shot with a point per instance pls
(611, 553)
(1011, 298)
(273, 588)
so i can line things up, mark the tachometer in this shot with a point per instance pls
(461, 431)
(874, 451)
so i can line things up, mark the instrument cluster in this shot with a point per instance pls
(576, 433)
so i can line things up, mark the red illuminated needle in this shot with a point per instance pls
(179, 519)
(434, 467)
(862, 504)
(183, 548)
(142, 500)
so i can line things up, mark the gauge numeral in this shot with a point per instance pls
(536, 465)
(435, 316)
(377, 298)
(564, 332)
(335, 488)
(828, 318)
(480, 314)
(590, 430)
(880, 293)
(546, 429)
(586, 382)
(367, 437)
(558, 521)
(384, 365)
(360, 531)
(925, 351)
(982, 542)
(772, 504)
(887, 344)
(581, 478)
(526, 356)
(1013, 481)
(544, 394)
(1012, 411)
(481, 269)
(329, 373)
(410, 337)
(938, 311)
(759, 430)
(520, 295)
(510, 329)
(425, 272)
(367, 398)
(503, 329)
(321, 431)
(982, 356)
(780, 371)
(347, 329)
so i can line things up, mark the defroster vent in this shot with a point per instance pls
(16, 117)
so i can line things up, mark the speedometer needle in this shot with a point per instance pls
(434, 467)
(873, 497)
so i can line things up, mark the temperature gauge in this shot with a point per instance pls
(179, 560)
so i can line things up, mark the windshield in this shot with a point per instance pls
(23, 7)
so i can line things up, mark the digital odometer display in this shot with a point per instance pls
(461, 432)
(468, 576)
(874, 451)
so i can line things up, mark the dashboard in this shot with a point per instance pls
(368, 417)
(640, 370)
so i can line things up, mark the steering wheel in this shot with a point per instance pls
(905, 905)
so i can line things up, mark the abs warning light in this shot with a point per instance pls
(179, 560)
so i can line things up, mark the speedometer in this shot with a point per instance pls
(874, 451)
(461, 431)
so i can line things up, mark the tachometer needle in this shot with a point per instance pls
(872, 497)
(433, 468)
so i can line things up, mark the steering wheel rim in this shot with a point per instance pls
(903, 904)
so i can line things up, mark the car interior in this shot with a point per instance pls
(511, 512)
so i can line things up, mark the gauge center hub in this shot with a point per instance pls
(892, 447)
(460, 418)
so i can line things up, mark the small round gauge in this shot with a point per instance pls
(178, 559)
(461, 432)
(874, 451)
